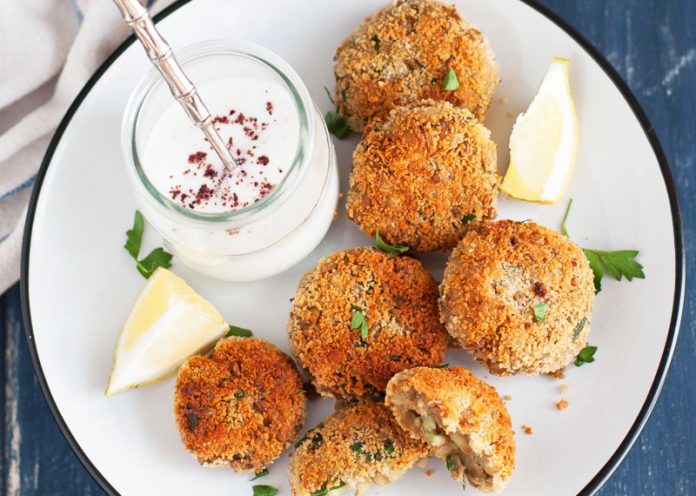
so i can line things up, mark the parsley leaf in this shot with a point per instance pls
(443, 366)
(258, 475)
(192, 420)
(239, 332)
(337, 125)
(358, 321)
(328, 93)
(578, 328)
(586, 355)
(619, 264)
(157, 258)
(451, 82)
(468, 218)
(357, 447)
(564, 230)
(299, 442)
(324, 491)
(135, 235)
(386, 247)
(265, 491)
(540, 311)
(389, 446)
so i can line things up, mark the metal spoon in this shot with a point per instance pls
(181, 87)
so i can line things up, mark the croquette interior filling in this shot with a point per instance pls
(453, 447)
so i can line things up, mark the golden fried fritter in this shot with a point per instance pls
(462, 419)
(402, 54)
(421, 174)
(396, 297)
(518, 296)
(354, 448)
(242, 405)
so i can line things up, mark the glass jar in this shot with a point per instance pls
(266, 237)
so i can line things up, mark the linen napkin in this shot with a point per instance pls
(48, 51)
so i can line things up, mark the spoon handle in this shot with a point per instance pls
(160, 54)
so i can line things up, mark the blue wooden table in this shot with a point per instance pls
(652, 43)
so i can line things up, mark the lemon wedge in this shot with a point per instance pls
(168, 323)
(544, 141)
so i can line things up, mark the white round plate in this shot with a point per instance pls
(79, 282)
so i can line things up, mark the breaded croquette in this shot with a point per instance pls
(518, 296)
(421, 174)
(354, 448)
(360, 317)
(403, 53)
(240, 406)
(462, 419)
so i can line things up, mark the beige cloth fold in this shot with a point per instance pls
(48, 51)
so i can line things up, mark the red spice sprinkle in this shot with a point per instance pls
(210, 172)
(218, 193)
(197, 157)
(204, 193)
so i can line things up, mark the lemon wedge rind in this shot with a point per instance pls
(168, 323)
(544, 141)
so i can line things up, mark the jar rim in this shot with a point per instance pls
(266, 59)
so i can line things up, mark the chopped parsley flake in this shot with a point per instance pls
(564, 230)
(258, 475)
(540, 311)
(451, 82)
(337, 125)
(578, 328)
(586, 355)
(240, 332)
(328, 93)
(358, 321)
(386, 247)
(265, 491)
(192, 420)
(324, 491)
(134, 236)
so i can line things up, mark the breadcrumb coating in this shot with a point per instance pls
(354, 448)
(402, 53)
(242, 405)
(461, 417)
(496, 277)
(421, 174)
(398, 299)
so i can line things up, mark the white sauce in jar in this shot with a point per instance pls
(260, 125)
